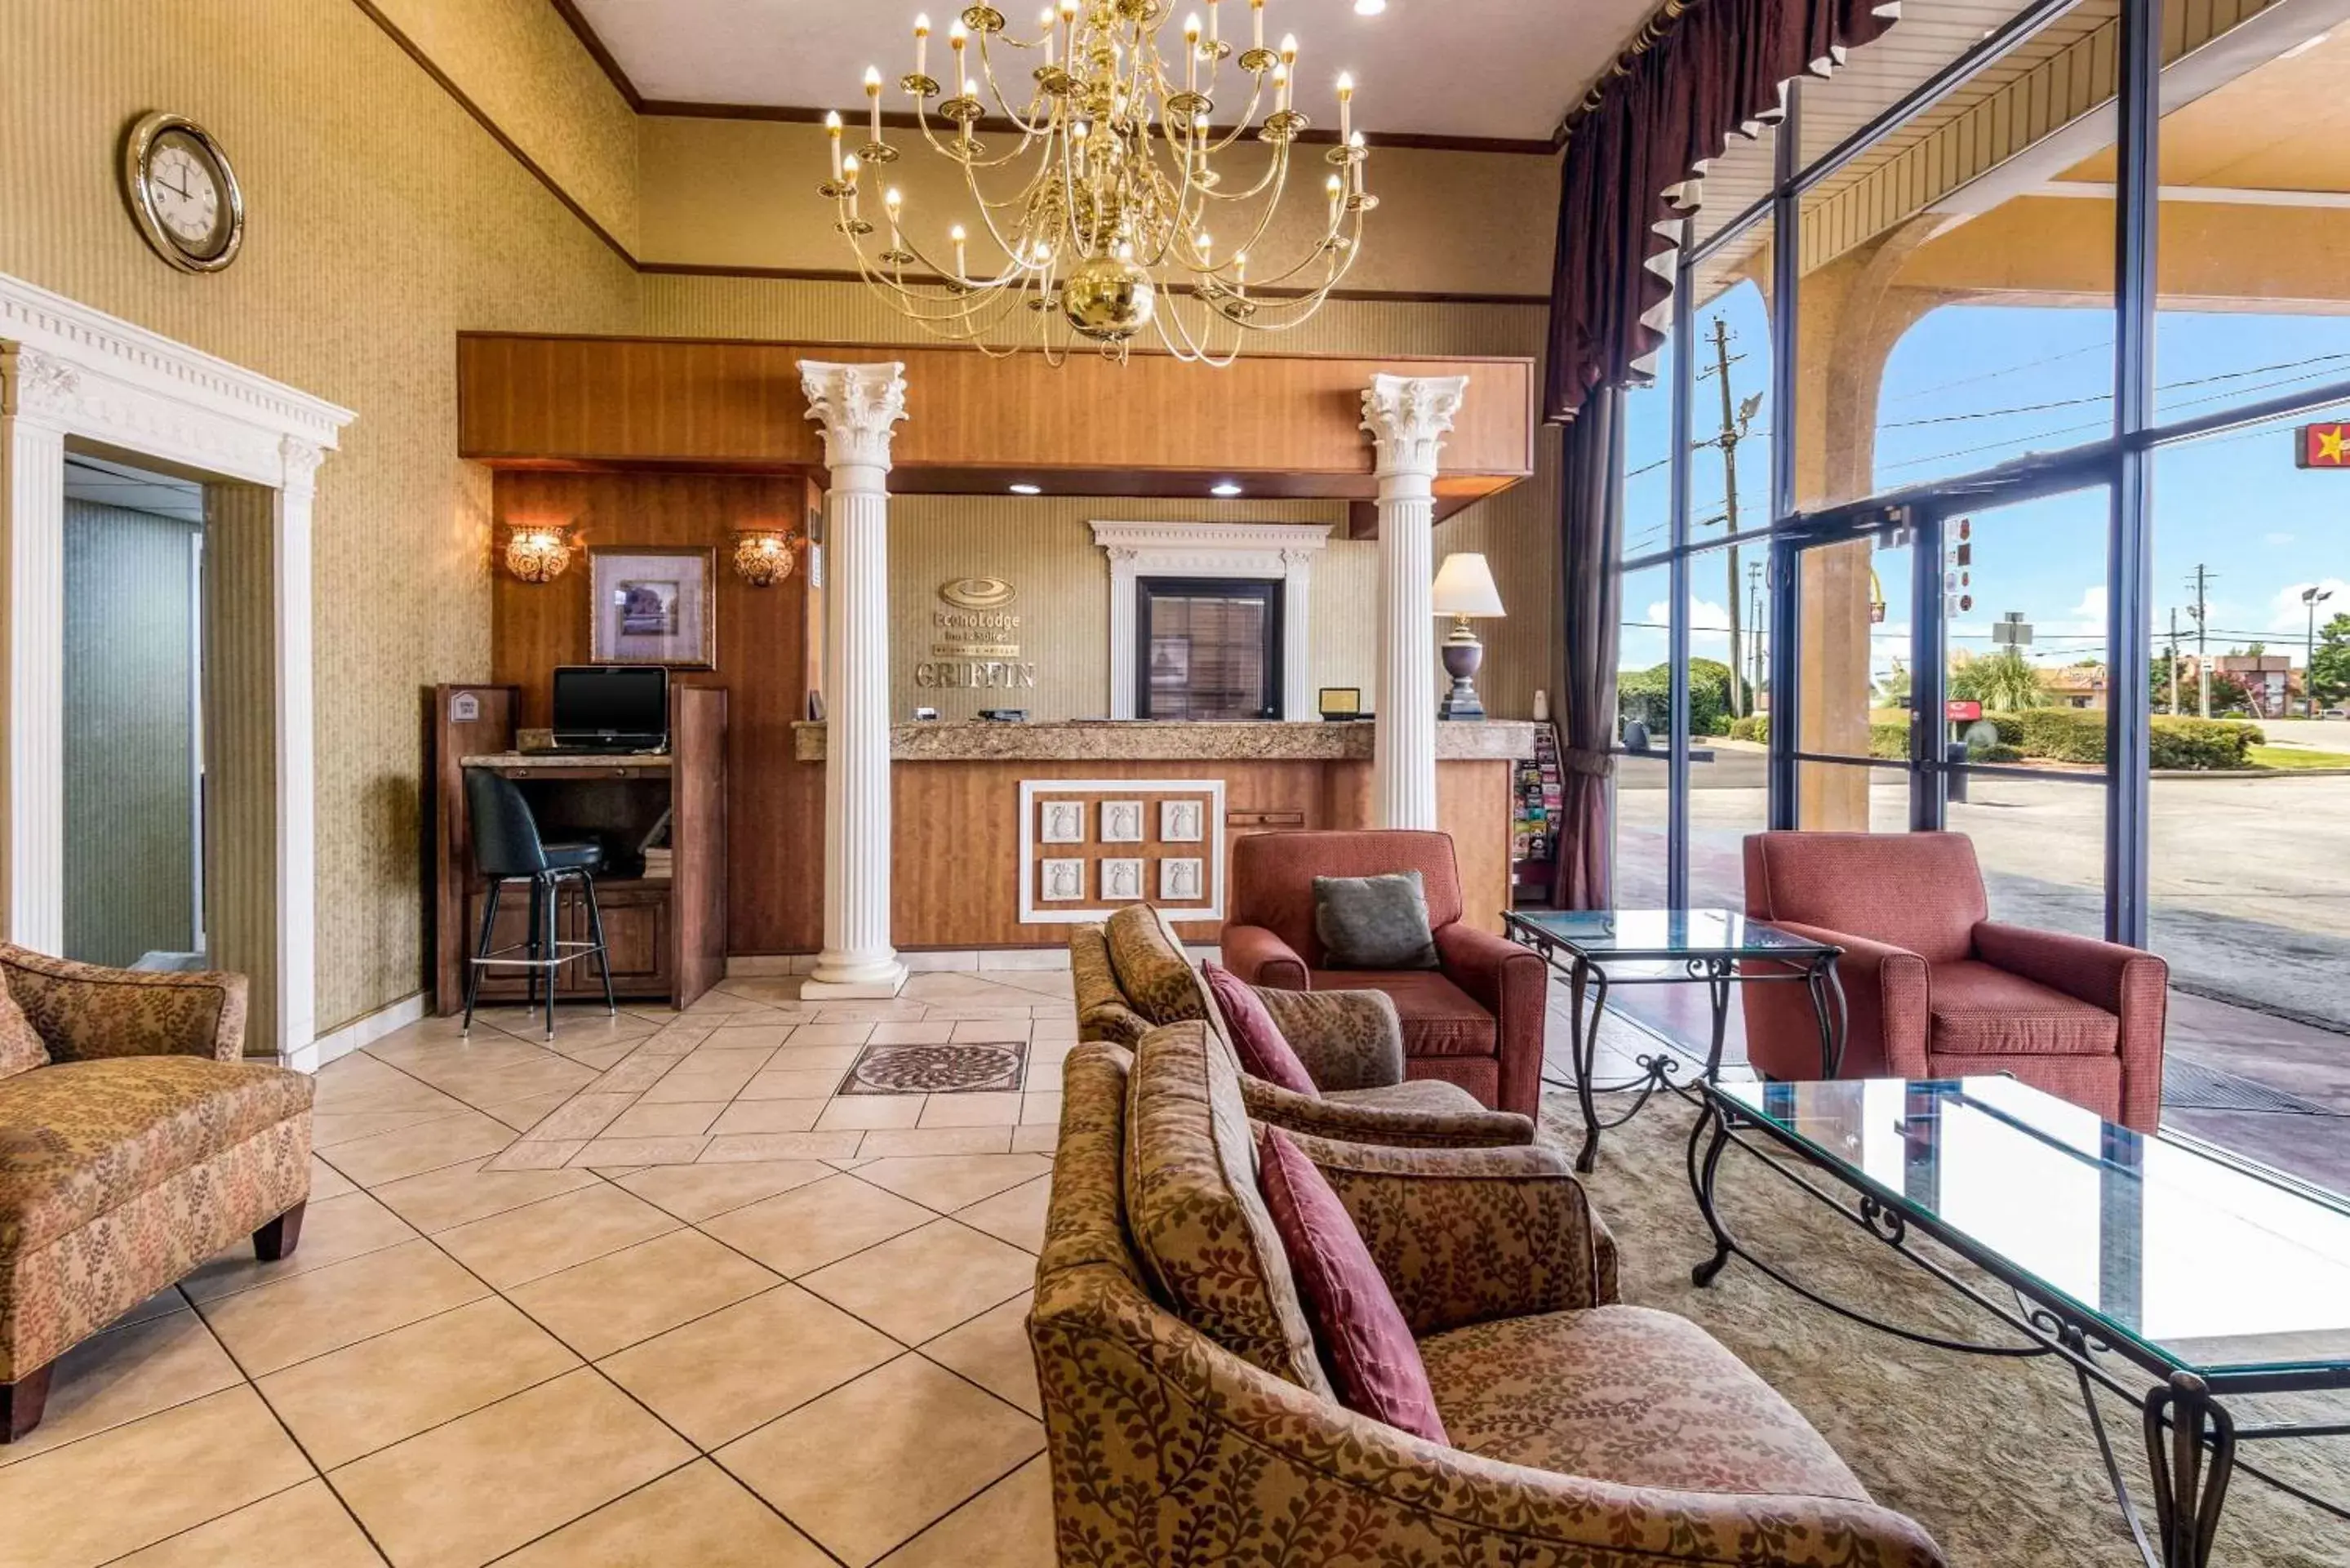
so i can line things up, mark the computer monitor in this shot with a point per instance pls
(611, 707)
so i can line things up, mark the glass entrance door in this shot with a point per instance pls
(1951, 671)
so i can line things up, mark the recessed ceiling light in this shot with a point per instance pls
(1226, 490)
(1369, 7)
(1027, 490)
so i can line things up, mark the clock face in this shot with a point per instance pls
(185, 187)
(183, 194)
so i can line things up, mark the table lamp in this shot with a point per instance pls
(1463, 588)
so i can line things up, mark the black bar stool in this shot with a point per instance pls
(507, 849)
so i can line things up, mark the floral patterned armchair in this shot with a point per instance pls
(142, 1145)
(1131, 976)
(1588, 1434)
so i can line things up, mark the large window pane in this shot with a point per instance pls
(1731, 412)
(1730, 704)
(2041, 845)
(2251, 828)
(1854, 653)
(1957, 305)
(1643, 774)
(2255, 218)
(2024, 626)
(1737, 179)
(1648, 462)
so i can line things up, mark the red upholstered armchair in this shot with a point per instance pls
(1476, 1021)
(1940, 990)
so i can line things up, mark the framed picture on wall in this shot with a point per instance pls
(652, 604)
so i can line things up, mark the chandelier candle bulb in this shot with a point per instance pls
(923, 43)
(850, 167)
(832, 130)
(1191, 53)
(956, 235)
(1257, 24)
(1045, 23)
(1211, 27)
(1337, 189)
(1281, 89)
(1345, 107)
(873, 98)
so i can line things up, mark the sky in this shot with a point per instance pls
(1974, 385)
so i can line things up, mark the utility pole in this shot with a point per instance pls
(2203, 576)
(1737, 423)
(2174, 661)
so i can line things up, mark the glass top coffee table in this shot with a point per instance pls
(2159, 1269)
(1672, 947)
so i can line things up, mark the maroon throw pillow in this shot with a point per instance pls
(1264, 1050)
(1366, 1346)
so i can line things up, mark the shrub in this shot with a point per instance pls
(1647, 694)
(1999, 753)
(1755, 727)
(2203, 743)
(1888, 741)
(2062, 734)
(2010, 727)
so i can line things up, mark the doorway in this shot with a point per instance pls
(133, 856)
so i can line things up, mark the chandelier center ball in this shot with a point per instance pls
(1109, 299)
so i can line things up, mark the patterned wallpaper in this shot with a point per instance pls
(522, 64)
(383, 219)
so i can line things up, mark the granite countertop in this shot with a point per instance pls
(1496, 740)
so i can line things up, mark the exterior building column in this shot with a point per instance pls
(1407, 416)
(35, 393)
(857, 405)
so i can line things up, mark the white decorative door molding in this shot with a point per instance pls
(69, 373)
(1257, 552)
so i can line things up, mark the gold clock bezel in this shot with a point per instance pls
(138, 149)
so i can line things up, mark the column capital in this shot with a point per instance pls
(301, 459)
(1407, 416)
(856, 405)
(38, 386)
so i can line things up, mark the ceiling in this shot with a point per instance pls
(94, 479)
(1470, 69)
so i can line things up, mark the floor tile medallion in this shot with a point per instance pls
(965, 1068)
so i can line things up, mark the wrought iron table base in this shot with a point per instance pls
(2190, 1437)
(1717, 974)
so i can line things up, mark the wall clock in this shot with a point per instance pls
(182, 192)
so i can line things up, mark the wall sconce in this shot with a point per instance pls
(537, 552)
(764, 556)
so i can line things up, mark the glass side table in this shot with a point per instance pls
(1711, 947)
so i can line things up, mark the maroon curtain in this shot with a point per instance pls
(1717, 67)
(1590, 591)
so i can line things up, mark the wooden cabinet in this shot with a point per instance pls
(666, 939)
(636, 941)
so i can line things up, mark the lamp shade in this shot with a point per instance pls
(1464, 585)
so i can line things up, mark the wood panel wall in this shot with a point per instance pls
(957, 825)
(776, 805)
(1288, 426)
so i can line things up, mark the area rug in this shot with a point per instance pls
(1993, 1455)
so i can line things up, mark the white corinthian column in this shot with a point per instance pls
(856, 405)
(1407, 416)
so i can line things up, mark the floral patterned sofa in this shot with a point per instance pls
(1131, 976)
(1588, 1434)
(134, 1144)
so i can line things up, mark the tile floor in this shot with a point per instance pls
(704, 1313)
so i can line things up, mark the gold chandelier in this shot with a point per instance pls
(1100, 221)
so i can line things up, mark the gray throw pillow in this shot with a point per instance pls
(1374, 922)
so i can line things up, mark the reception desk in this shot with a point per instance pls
(1006, 833)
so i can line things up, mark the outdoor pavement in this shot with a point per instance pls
(2251, 908)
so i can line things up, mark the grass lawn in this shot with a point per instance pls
(2297, 757)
